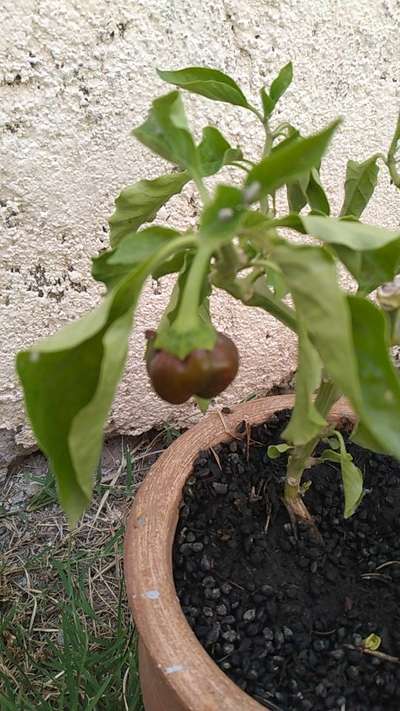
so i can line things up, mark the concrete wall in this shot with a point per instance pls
(76, 75)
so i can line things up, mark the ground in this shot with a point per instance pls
(66, 637)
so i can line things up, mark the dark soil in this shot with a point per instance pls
(285, 618)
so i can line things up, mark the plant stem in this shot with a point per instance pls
(280, 130)
(203, 192)
(188, 316)
(261, 297)
(264, 202)
(391, 157)
(326, 397)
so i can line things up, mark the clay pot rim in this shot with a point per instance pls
(186, 667)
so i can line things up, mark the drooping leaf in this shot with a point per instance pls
(82, 365)
(392, 160)
(296, 191)
(321, 304)
(150, 135)
(275, 279)
(281, 166)
(140, 202)
(306, 422)
(278, 87)
(351, 475)
(316, 196)
(169, 266)
(215, 151)
(113, 265)
(361, 180)
(379, 380)
(208, 82)
(275, 450)
(166, 132)
(371, 254)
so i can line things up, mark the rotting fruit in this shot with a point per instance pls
(204, 373)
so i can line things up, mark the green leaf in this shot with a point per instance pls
(293, 137)
(267, 103)
(170, 266)
(352, 487)
(321, 304)
(379, 380)
(281, 166)
(221, 219)
(372, 642)
(166, 132)
(350, 233)
(69, 381)
(110, 267)
(215, 151)
(202, 403)
(306, 422)
(140, 202)
(150, 135)
(281, 83)
(296, 191)
(316, 195)
(371, 254)
(277, 89)
(208, 82)
(351, 476)
(275, 450)
(275, 279)
(361, 180)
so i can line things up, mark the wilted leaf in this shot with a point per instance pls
(351, 476)
(306, 422)
(113, 265)
(139, 203)
(69, 381)
(215, 151)
(361, 180)
(379, 380)
(166, 132)
(275, 450)
(321, 304)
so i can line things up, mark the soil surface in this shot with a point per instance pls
(286, 617)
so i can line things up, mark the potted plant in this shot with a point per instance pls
(241, 246)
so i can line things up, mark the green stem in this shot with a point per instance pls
(203, 192)
(260, 296)
(189, 240)
(264, 202)
(239, 165)
(327, 395)
(391, 157)
(188, 316)
(281, 129)
(257, 113)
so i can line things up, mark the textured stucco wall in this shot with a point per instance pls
(76, 76)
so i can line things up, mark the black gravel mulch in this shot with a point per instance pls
(285, 618)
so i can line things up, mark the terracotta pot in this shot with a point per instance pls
(176, 672)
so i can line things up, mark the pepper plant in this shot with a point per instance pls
(241, 246)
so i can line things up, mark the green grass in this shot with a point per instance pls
(66, 637)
